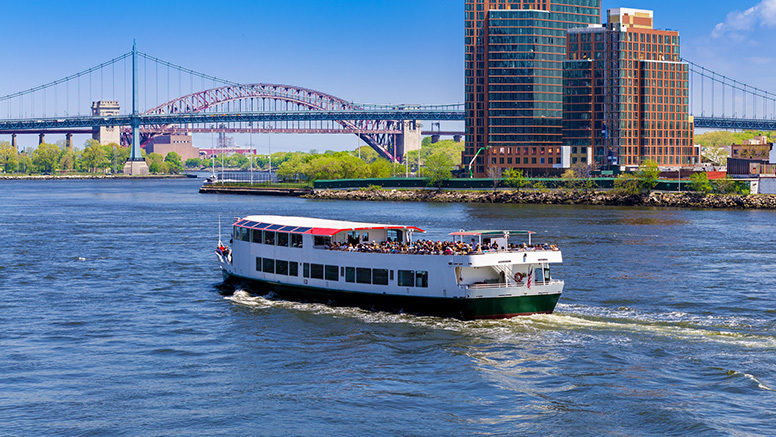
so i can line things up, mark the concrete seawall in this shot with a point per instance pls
(557, 197)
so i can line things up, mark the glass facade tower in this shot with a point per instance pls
(515, 51)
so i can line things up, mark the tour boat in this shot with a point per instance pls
(477, 275)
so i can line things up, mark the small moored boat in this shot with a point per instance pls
(477, 274)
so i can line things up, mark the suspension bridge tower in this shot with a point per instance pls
(135, 165)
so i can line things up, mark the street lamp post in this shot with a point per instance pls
(471, 173)
(680, 179)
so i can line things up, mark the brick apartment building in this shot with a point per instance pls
(626, 94)
(514, 54)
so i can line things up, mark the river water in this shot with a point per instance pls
(111, 323)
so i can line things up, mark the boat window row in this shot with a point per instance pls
(273, 238)
(277, 267)
(356, 275)
(364, 275)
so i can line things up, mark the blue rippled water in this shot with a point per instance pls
(111, 323)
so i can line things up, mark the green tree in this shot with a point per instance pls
(380, 168)
(700, 183)
(46, 157)
(451, 148)
(93, 156)
(367, 154)
(173, 161)
(155, 163)
(716, 139)
(7, 157)
(515, 178)
(437, 168)
(193, 163)
(715, 154)
(294, 169)
(67, 160)
(25, 161)
(649, 174)
(638, 183)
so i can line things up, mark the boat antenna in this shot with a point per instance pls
(219, 231)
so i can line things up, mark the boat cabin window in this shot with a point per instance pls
(412, 278)
(316, 271)
(322, 241)
(296, 240)
(293, 268)
(380, 276)
(539, 273)
(281, 267)
(269, 265)
(353, 237)
(256, 235)
(282, 239)
(269, 237)
(394, 235)
(245, 234)
(306, 270)
(331, 273)
(350, 274)
(363, 275)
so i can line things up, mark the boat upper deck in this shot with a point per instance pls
(376, 238)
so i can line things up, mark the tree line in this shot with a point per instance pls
(93, 158)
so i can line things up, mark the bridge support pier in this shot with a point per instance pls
(410, 138)
(13, 142)
(135, 165)
(41, 138)
(69, 142)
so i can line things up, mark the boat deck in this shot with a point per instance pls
(436, 248)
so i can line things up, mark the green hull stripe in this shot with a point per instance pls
(482, 308)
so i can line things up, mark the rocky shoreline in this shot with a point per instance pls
(557, 197)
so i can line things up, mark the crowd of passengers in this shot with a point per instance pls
(428, 247)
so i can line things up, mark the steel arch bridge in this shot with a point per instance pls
(380, 134)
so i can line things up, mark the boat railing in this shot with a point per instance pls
(521, 284)
(414, 251)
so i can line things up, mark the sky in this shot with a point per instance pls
(368, 51)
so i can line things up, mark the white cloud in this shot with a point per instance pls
(739, 23)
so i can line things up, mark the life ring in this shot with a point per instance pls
(518, 277)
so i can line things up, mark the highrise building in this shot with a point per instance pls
(514, 52)
(626, 94)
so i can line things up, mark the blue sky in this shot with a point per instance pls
(376, 51)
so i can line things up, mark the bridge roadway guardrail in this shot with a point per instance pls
(39, 124)
(735, 123)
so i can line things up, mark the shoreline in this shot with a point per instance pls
(76, 177)
(557, 197)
